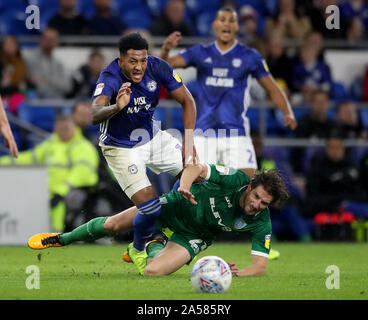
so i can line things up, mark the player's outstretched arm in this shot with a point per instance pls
(258, 267)
(190, 174)
(5, 132)
(171, 42)
(280, 100)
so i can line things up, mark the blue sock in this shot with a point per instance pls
(144, 222)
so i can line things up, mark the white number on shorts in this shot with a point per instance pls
(194, 244)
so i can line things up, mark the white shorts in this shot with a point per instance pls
(236, 152)
(161, 154)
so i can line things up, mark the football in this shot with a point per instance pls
(211, 274)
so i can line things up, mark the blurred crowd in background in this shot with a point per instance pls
(328, 181)
(258, 19)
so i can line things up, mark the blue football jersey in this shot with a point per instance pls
(121, 129)
(223, 84)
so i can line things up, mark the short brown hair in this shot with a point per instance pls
(274, 185)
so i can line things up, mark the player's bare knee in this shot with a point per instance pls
(144, 195)
(152, 270)
(111, 225)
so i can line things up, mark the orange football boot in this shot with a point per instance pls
(44, 240)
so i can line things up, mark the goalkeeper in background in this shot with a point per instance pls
(196, 213)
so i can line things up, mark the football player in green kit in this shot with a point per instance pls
(226, 200)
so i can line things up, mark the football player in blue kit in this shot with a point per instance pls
(125, 98)
(225, 69)
(224, 72)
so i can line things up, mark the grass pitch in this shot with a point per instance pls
(84, 272)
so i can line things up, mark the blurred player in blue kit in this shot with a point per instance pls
(125, 98)
(224, 71)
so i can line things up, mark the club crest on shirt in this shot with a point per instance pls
(236, 62)
(133, 169)
(152, 85)
(239, 224)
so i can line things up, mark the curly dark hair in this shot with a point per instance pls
(132, 41)
(274, 185)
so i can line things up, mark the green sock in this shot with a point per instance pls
(154, 248)
(92, 230)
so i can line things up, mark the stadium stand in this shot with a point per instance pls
(139, 14)
(203, 22)
(364, 116)
(40, 116)
(136, 14)
(156, 6)
(131, 21)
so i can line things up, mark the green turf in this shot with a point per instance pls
(97, 272)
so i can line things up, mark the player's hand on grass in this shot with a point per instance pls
(187, 195)
(123, 96)
(290, 121)
(234, 269)
(172, 41)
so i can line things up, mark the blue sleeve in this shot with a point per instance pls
(167, 75)
(191, 55)
(106, 85)
(258, 65)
